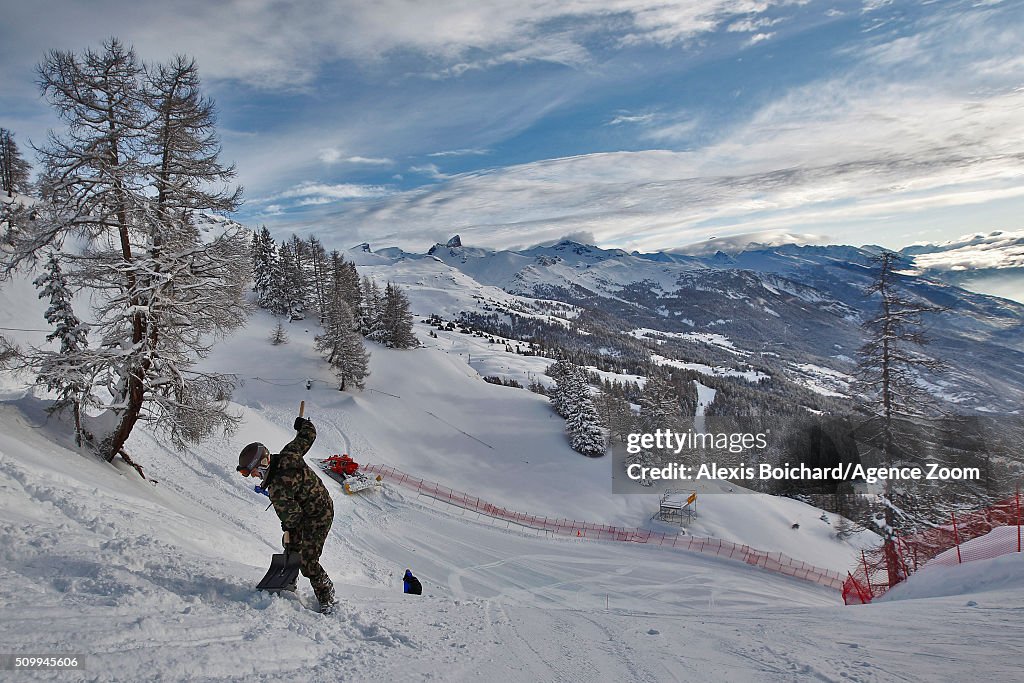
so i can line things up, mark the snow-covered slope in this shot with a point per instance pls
(152, 581)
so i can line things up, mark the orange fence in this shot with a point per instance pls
(775, 562)
(978, 535)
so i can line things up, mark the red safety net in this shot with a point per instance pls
(774, 562)
(978, 535)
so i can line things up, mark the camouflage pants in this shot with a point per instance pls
(308, 541)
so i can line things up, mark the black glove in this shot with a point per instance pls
(299, 421)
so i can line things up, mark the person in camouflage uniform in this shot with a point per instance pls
(300, 500)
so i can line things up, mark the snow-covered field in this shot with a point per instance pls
(153, 581)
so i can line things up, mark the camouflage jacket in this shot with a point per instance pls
(299, 497)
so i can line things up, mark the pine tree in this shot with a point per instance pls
(562, 372)
(370, 322)
(396, 319)
(264, 256)
(586, 433)
(289, 286)
(342, 346)
(14, 170)
(279, 336)
(659, 409)
(63, 372)
(659, 406)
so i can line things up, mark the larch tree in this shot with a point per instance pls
(138, 161)
(890, 366)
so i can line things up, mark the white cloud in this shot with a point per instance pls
(333, 155)
(759, 38)
(311, 193)
(460, 152)
(429, 170)
(631, 118)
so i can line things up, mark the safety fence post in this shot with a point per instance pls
(956, 539)
(867, 574)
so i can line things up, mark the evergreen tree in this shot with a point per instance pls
(659, 409)
(264, 257)
(586, 434)
(279, 336)
(62, 371)
(659, 406)
(396, 319)
(14, 170)
(370, 322)
(562, 372)
(289, 288)
(342, 345)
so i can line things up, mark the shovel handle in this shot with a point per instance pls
(302, 408)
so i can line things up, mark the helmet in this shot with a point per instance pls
(250, 457)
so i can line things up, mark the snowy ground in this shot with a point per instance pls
(154, 581)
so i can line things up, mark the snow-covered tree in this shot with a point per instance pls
(279, 336)
(288, 288)
(659, 406)
(345, 281)
(342, 345)
(63, 371)
(14, 170)
(396, 319)
(136, 163)
(318, 272)
(264, 257)
(370, 322)
(572, 399)
(586, 433)
(561, 371)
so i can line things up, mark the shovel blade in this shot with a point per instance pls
(283, 573)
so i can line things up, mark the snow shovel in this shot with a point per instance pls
(283, 573)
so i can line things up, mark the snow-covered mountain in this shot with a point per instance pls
(990, 263)
(783, 308)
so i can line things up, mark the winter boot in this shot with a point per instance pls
(326, 597)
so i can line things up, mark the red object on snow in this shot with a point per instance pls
(342, 464)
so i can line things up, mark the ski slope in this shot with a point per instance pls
(152, 581)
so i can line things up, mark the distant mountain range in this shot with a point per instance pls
(790, 312)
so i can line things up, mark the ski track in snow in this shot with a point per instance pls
(153, 582)
(499, 604)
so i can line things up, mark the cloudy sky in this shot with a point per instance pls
(641, 124)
